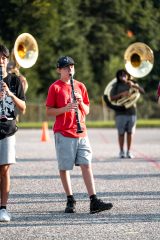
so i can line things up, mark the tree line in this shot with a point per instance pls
(96, 34)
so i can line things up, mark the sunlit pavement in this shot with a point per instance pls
(37, 200)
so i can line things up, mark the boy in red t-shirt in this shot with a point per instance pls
(72, 148)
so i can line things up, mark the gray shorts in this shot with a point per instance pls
(72, 151)
(7, 150)
(126, 123)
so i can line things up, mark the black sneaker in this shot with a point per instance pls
(98, 205)
(70, 206)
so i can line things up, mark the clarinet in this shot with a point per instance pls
(79, 128)
(3, 117)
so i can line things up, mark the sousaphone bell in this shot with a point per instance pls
(138, 59)
(25, 50)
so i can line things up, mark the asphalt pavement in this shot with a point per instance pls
(37, 199)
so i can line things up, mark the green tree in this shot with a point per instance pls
(95, 34)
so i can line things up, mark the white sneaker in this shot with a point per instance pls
(129, 155)
(4, 216)
(121, 154)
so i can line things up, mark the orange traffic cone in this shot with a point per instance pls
(45, 133)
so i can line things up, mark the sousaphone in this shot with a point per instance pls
(139, 61)
(24, 54)
(25, 50)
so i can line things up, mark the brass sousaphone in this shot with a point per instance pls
(139, 60)
(24, 54)
(25, 50)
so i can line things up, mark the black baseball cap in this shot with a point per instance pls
(64, 62)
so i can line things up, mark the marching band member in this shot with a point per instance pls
(72, 148)
(125, 118)
(12, 68)
(14, 100)
(158, 93)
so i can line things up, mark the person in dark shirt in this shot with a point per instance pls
(126, 118)
(12, 100)
(12, 68)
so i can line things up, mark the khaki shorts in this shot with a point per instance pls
(7, 150)
(72, 151)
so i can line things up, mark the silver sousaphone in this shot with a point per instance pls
(139, 61)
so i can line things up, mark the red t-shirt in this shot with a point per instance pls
(59, 95)
(158, 90)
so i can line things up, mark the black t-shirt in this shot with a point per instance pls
(8, 128)
(16, 87)
(118, 88)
